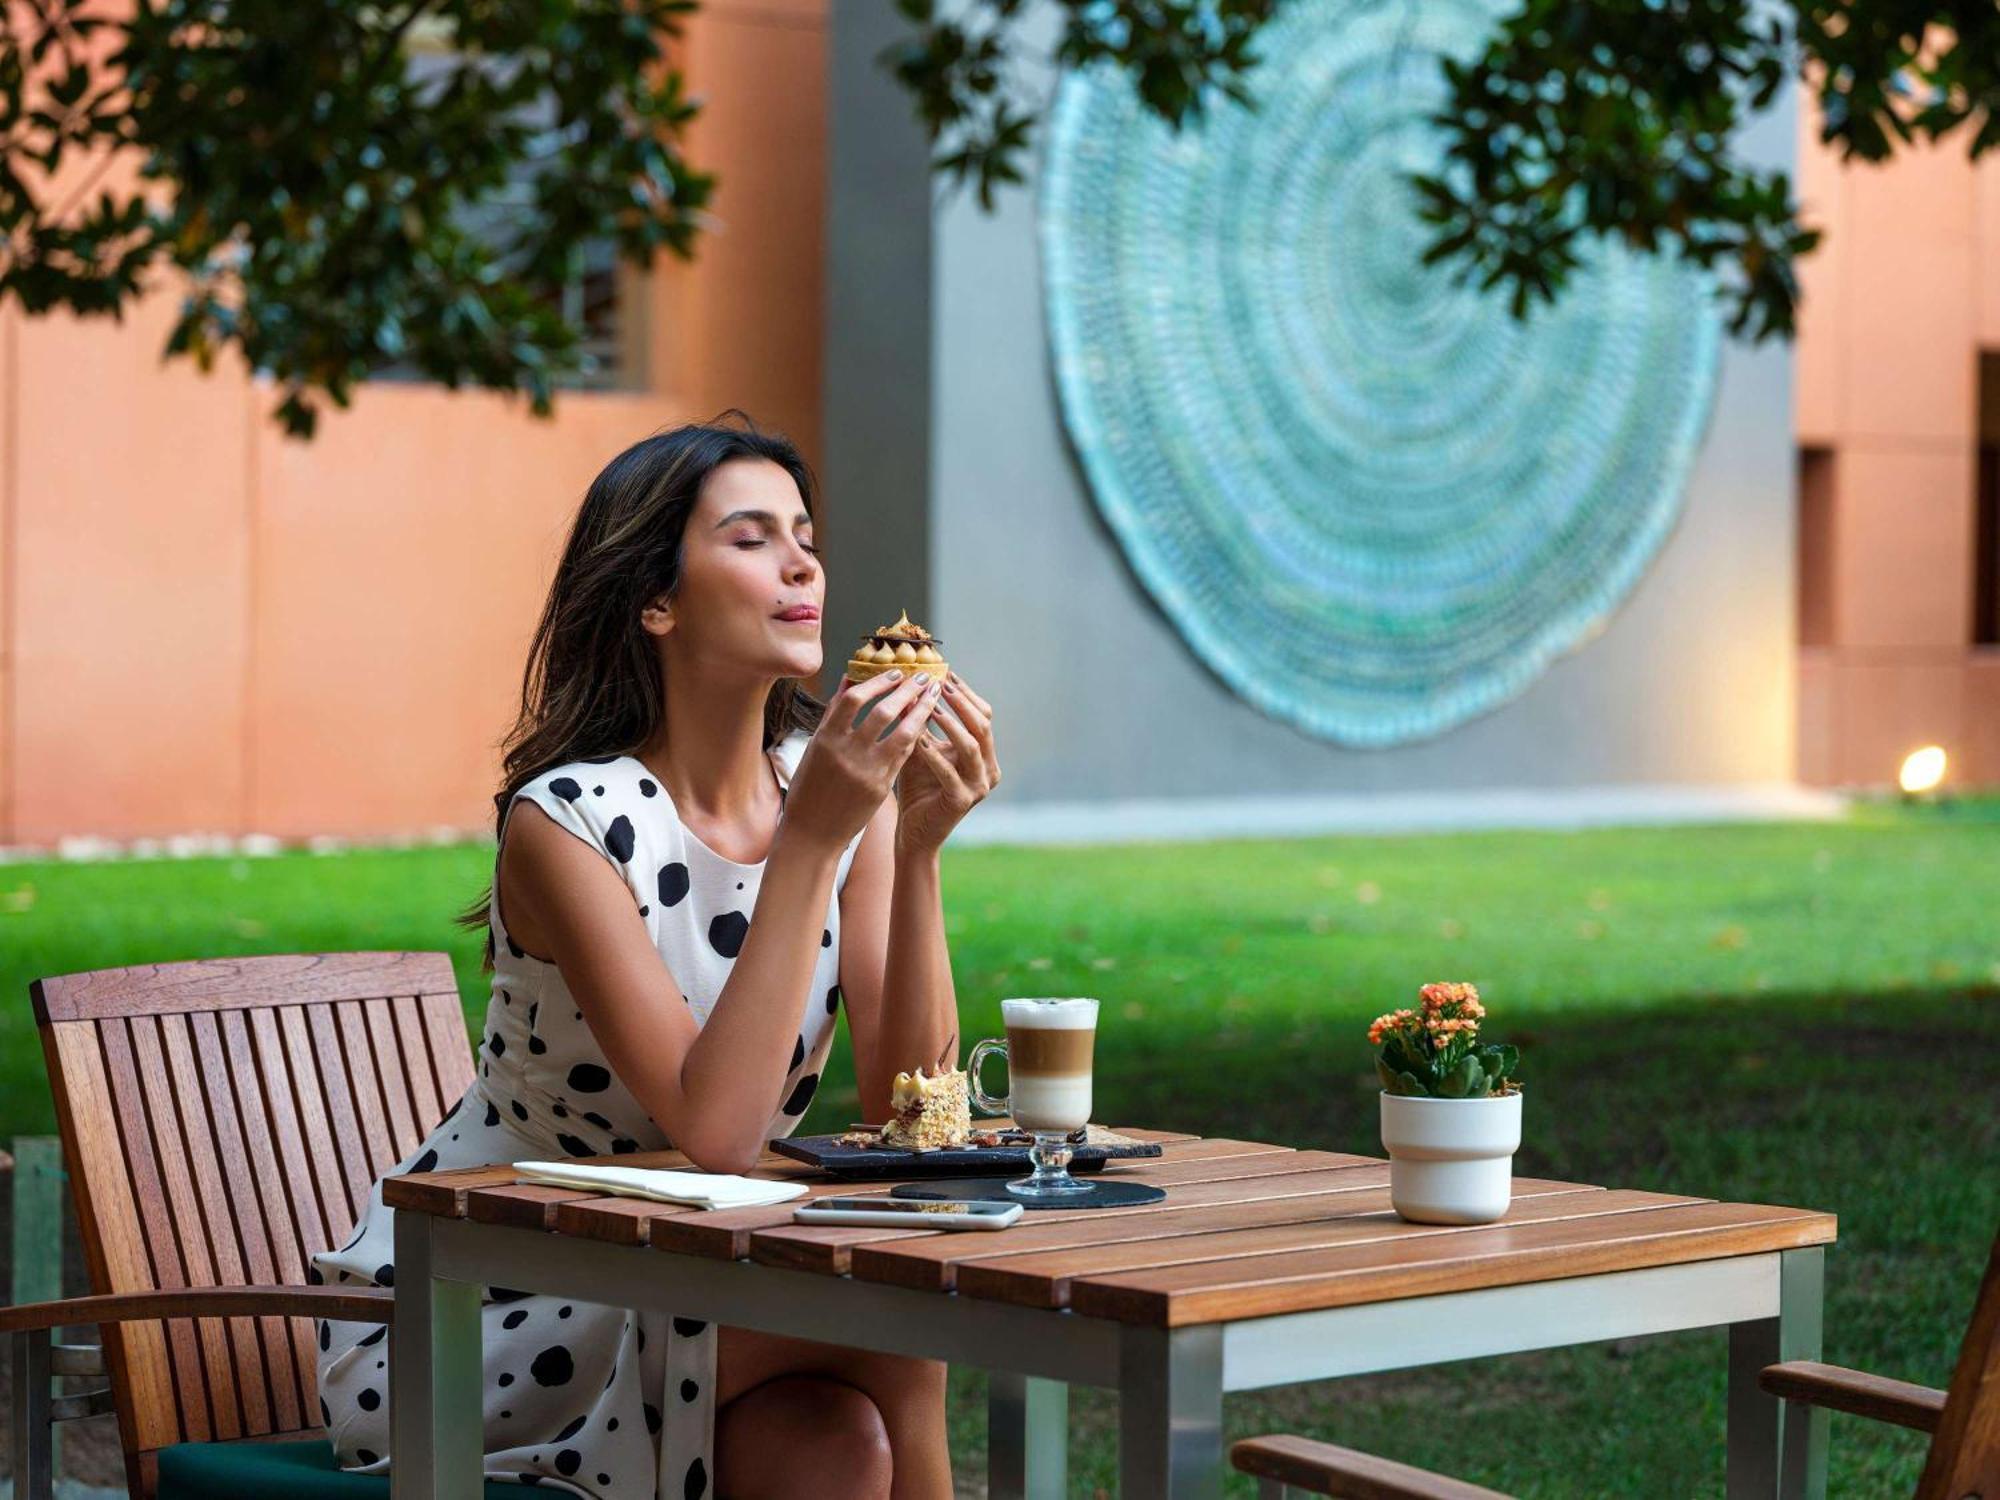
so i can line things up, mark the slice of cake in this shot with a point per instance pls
(901, 647)
(929, 1111)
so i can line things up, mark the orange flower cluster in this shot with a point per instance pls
(1449, 1010)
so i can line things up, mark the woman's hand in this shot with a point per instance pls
(945, 779)
(854, 755)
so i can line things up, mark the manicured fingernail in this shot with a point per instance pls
(949, 688)
(922, 677)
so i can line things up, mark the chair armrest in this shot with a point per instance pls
(1856, 1391)
(1342, 1472)
(349, 1304)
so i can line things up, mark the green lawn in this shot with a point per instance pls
(1799, 1014)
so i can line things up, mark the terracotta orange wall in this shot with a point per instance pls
(1899, 299)
(206, 626)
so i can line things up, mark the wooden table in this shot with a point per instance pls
(1264, 1266)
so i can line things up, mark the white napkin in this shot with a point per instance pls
(697, 1189)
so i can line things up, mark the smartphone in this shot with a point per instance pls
(908, 1213)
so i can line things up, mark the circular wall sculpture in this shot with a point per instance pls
(1370, 500)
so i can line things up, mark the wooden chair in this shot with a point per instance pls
(223, 1121)
(1964, 1424)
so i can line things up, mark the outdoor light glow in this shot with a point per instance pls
(1922, 769)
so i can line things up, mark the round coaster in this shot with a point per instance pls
(1101, 1195)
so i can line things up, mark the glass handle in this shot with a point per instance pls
(986, 1102)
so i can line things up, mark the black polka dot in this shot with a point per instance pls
(597, 791)
(802, 1094)
(673, 883)
(325, 1334)
(596, 1119)
(385, 1276)
(566, 788)
(516, 949)
(558, 1111)
(645, 911)
(366, 1455)
(505, 998)
(833, 1000)
(553, 1366)
(826, 937)
(652, 1419)
(452, 1113)
(687, 1328)
(528, 1479)
(497, 1045)
(646, 787)
(618, 839)
(506, 1414)
(604, 1479)
(689, 1390)
(425, 1162)
(696, 1483)
(564, 1311)
(376, 1337)
(369, 1399)
(798, 1054)
(739, 885)
(568, 1461)
(572, 1146)
(515, 1318)
(589, 1078)
(612, 1425)
(726, 933)
(537, 1046)
(505, 1380)
(520, 1109)
(492, 1116)
(623, 1147)
(573, 1429)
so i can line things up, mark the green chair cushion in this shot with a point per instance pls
(275, 1471)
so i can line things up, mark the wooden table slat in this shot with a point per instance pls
(1044, 1279)
(1215, 1291)
(930, 1262)
(824, 1247)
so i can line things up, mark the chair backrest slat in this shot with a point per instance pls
(1965, 1450)
(223, 1122)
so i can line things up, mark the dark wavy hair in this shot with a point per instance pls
(592, 682)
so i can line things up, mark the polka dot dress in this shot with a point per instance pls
(582, 1398)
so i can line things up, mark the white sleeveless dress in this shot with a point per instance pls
(587, 1399)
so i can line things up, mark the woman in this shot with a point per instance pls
(696, 864)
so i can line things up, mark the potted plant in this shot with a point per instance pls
(1451, 1109)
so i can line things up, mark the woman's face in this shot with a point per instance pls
(751, 586)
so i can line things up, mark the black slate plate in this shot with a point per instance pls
(826, 1153)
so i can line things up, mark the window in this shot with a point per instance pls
(1815, 559)
(603, 296)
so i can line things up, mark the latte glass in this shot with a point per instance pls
(1048, 1051)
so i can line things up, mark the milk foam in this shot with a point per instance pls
(1055, 1015)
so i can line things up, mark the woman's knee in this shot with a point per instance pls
(802, 1434)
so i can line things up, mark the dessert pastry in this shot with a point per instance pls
(929, 1111)
(901, 647)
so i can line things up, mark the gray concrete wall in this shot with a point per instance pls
(1097, 697)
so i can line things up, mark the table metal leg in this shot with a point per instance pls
(1170, 1413)
(1027, 1437)
(1778, 1448)
(436, 1389)
(34, 1427)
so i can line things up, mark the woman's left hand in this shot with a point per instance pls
(944, 779)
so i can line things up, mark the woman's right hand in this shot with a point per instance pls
(852, 761)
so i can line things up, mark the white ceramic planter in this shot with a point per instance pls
(1451, 1161)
